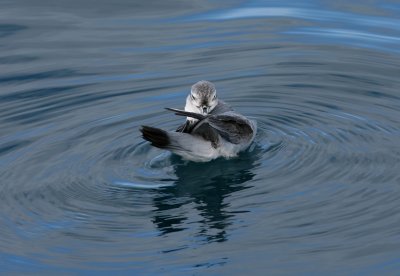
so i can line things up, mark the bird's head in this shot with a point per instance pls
(203, 97)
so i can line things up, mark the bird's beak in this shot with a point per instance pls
(205, 109)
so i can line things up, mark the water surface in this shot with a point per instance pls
(317, 192)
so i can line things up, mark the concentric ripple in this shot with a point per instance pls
(82, 192)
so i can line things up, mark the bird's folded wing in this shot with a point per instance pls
(230, 126)
(233, 128)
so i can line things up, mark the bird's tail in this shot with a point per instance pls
(188, 146)
(157, 137)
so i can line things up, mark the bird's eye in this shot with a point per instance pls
(215, 96)
(193, 97)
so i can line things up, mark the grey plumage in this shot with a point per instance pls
(230, 125)
(221, 132)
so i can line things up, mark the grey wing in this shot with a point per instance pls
(232, 127)
(187, 126)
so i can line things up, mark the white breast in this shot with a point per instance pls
(191, 108)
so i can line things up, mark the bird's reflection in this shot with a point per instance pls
(205, 186)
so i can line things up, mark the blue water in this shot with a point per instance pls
(317, 193)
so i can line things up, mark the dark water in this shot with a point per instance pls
(82, 193)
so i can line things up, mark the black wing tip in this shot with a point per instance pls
(156, 136)
(171, 109)
(179, 112)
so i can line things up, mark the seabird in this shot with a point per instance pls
(212, 128)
